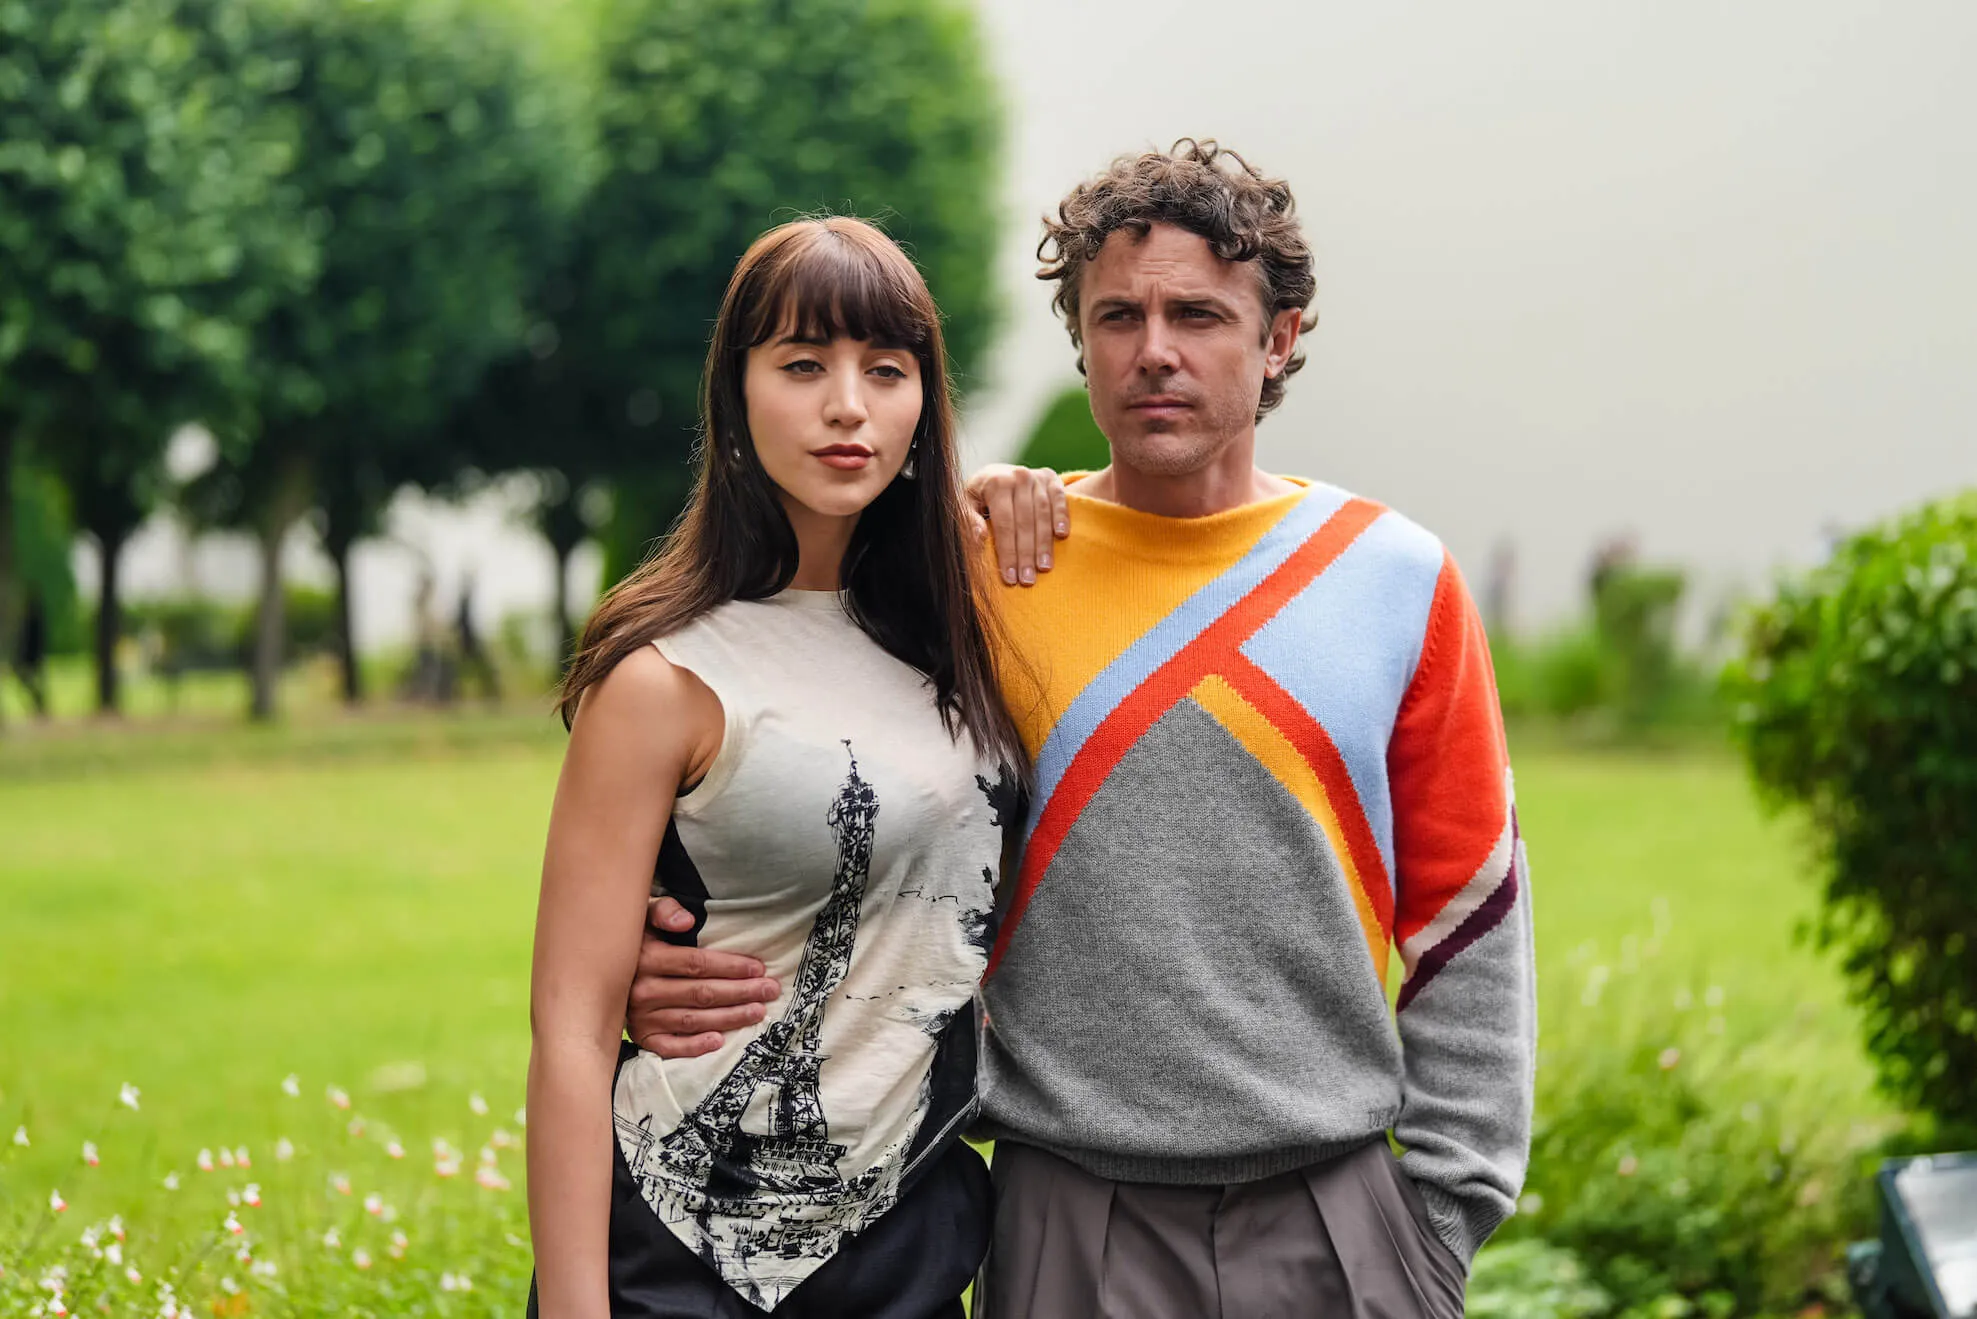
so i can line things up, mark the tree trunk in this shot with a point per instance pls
(109, 619)
(346, 641)
(265, 672)
(7, 593)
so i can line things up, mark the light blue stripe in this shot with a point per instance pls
(1347, 647)
(1166, 638)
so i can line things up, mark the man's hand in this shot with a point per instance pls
(685, 999)
(1025, 508)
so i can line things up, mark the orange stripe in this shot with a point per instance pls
(1166, 685)
(1309, 736)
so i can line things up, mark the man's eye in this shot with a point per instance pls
(1116, 314)
(1197, 313)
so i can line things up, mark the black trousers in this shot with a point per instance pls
(913, 1263)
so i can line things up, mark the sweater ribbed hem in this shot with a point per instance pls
(1164, 1170)
(1462, 1224)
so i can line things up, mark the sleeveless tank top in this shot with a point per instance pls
(842, 836)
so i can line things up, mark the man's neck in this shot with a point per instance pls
(1231, 481)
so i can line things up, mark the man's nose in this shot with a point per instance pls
(1159, 354)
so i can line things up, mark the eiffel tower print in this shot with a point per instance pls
(739, 1184)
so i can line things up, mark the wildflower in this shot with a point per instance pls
(240, 1159)
(171, 1181)
(128, 1095)
(89, 1238)
(114, 1253)
(374, 1204)
(455, 1282)
(233, 1197)
(361, 1258)
(56, 1308)
(1531, 1204)
(284, 1150)
(251, 1197)
(332, 1240)
(229, 1286)
(491, 1179)
(291, 1086)
(446, 1167)
(393, 1149)
(501, 1140)
(479, 1105)
(205, 1160)
(1669, 1057)
(232, 1225)
(356, 1126)
(339, 1183)
(263, 1268)
(57, 1203)
(1629, 1165)
(226, 1157)
(89, 1153)
(245, 1254)
(20, 1135)
(488, 1156)
(134, 1276)
(339, 1097)
(399, 1241)
(116, 1226)
(521, 1117)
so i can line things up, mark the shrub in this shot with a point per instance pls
(1857, 701)
(1683, 1157)
(1066, 438)
(1530, 1279)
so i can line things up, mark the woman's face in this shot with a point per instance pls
(832, 421)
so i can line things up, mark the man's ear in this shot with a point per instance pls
(1281, 342)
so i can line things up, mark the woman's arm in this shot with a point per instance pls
(639, 734)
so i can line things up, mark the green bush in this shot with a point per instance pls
(1857, 701)
(187, 633)
(1530, 1279)
(1066, 439)
(1677, 1157)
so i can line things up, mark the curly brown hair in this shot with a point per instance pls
(1243, 215)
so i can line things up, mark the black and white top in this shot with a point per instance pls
(846, 839)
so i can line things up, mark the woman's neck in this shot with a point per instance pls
(821, 544)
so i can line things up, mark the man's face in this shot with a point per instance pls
(1176, 349)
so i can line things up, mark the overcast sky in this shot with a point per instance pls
(1702, 272)
(1706, 272)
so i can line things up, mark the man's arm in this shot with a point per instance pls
(684, 999)
(1467, 1009)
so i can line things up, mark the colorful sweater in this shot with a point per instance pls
(1269, 757)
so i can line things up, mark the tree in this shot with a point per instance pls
(141, 231)
(435, 167)
(720, 118)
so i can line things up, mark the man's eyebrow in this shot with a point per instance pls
(1114, 300)
(1210, 301)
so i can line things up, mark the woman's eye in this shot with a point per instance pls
(803, 366)
(889, 371)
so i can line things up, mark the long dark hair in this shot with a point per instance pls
(911, 577)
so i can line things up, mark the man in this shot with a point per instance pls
(1268, 757)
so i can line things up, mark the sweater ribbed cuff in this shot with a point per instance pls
(1462, 1224)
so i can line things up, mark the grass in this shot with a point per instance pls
(350, 901)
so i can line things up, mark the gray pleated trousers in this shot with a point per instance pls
(1349, 1237)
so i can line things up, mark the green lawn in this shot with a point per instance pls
(351, 904)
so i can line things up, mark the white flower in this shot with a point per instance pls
(291, 1086)
(115, 1254)
(339, 1183)
(89, 1237)
(57, 1203)
(171, 1181)
(89, 1153)
(128, 1096)
(393, 1149)
(263, 1268)
(332, 1240)
(361, 1258)
(233, 1197)
(205, 1160)
(501, 1140)
(240, 1158)
(1531, 1203)
(1669, 1057)
(521, 1117)
(488, 1156)
(116, 1226)
(374, 1204)
(491, 1179)
(339, 1097)
(229, 1286)
(356, 1126)
(134, 1276)
(232, 1225)
(479, 1105)
(251, 1197)
(226, 1157)
(284, 1150)
(20, 1135)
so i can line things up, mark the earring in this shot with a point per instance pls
(908, 469)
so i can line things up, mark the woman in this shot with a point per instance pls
(787, 721)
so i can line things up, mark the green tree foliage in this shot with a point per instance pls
(1066, 438)
(1857, 700)
(721, 118)
(436, 167)
(142, 231)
